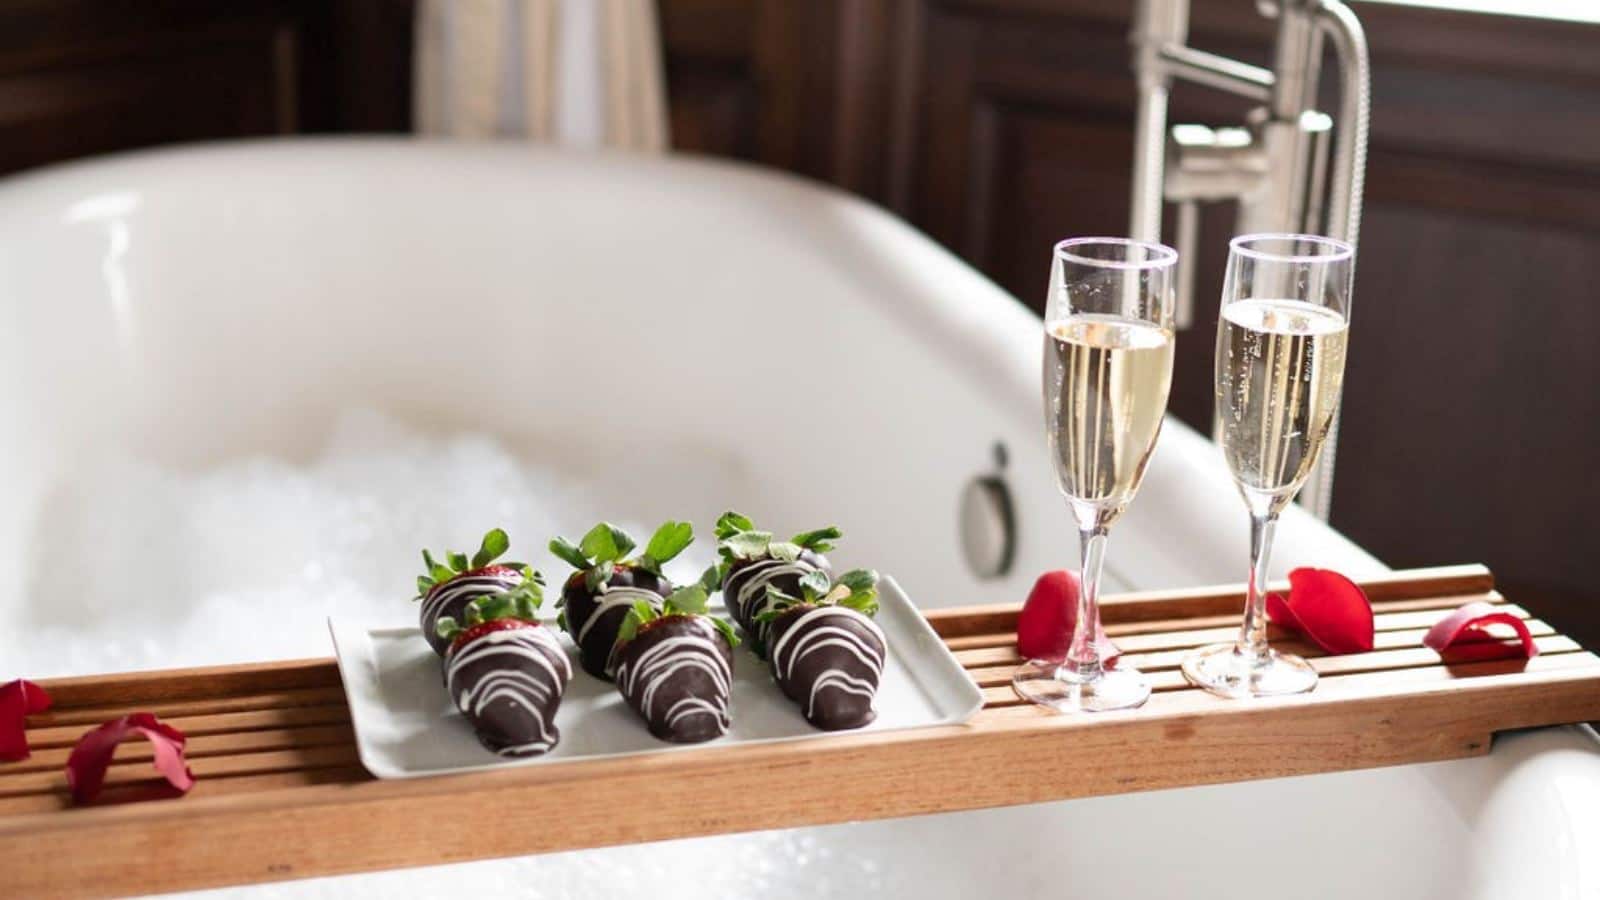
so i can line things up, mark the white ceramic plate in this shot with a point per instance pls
(406, 725)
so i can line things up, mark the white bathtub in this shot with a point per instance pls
(708, 335)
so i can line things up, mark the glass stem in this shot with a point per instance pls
(1253, 632)
(1083, 657)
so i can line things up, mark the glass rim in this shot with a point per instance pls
(1339, 251)
(1161, 256)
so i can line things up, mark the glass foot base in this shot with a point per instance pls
(1048, 684)
(1224, 672)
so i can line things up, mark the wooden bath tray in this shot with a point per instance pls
(281, 794)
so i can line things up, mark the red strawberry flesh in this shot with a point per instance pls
(659, 620)
(483, 628)
(1044, 627)
(471, 573)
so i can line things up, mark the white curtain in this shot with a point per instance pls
(585, 73)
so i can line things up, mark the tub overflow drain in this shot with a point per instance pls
(987, 521)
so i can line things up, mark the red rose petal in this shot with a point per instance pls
(1278, 611)
(1326, 607)
(1044, 628)
(18, 700)
(1467, 631)
(86, 766)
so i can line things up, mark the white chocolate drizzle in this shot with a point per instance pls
(813, 633)
(756, 577)
(611, 598)
(506, 678)
(643, 678)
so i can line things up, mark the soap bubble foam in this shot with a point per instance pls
(136, 565)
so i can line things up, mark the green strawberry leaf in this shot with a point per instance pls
(494, 545)
(528, 596)
(433, 573)
(748, 544)
(497, 606)
(628, 628)
(598, 575)
(859, 579)
(727, 631)
(447, 628)
(493, 606)
(731, 523)
(606, 543)
(711, 578)
(690, 600)
(818, 540)
(562, 549)
(668, 541)
(521, 602)
(640, 613)
(787, 551)
(864, 602)
(814, 584)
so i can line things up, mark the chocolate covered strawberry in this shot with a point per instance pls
(596, 598)
(506, 672)
(752, 562)
(674, 666)
(825, 651)
(446, 588)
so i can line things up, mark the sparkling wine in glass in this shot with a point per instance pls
(1107, 372)
(1279, 372)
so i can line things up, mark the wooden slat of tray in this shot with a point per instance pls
(280, 794)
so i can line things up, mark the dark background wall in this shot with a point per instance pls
(997, 126)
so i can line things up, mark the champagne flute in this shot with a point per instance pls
(1107, 371)
(1280, 369)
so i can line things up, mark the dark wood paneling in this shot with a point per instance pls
(80, 77)
(360, 63)
(711, 76)
(808, 87)
(1471, 408)
(132, 102)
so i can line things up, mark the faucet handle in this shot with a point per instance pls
(1207, 165)
(1211, 164)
